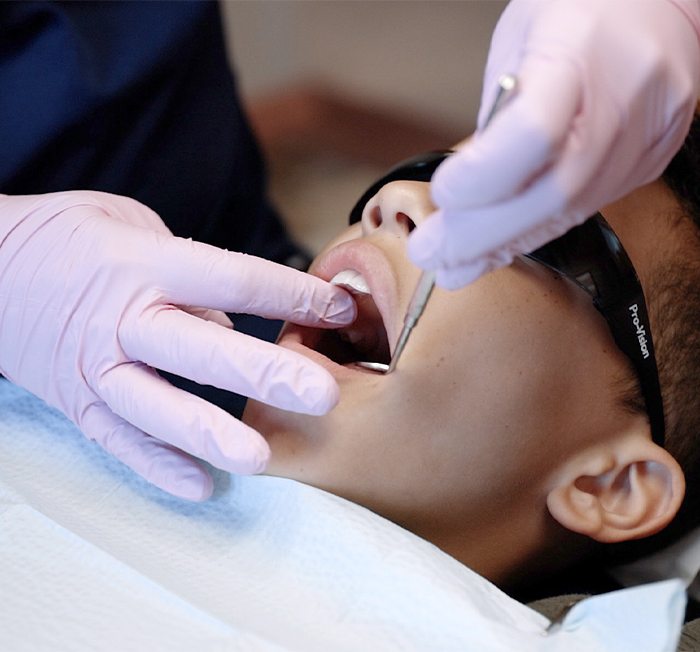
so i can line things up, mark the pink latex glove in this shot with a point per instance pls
(94, 293)
(605, 96)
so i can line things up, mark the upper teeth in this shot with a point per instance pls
(351, 280)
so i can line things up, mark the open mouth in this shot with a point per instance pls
(363, 340)
(363, 269)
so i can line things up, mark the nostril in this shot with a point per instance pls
(375, 217)
(375, 220)
(405, 222)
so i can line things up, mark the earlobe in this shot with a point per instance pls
(630, 490)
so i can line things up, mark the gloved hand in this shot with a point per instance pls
(95, 292)
(605, 96)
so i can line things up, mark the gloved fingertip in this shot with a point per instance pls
(446, 185)
(342, 309)
(316, 392)
(252, 457)
(423, 244)
(196, 486)
(449, 281)
(324, 399)
(261, 457)
(454, 279)
(301, 385)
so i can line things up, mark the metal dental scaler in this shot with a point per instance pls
(426, 282)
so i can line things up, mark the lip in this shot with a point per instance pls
(370, 261)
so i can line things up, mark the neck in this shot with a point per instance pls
(512, 549)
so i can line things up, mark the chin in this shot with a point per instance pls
(285, 433)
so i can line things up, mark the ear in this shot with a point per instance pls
(629, 488)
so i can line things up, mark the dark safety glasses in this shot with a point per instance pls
(591, 256)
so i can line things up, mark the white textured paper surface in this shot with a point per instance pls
(92, 557)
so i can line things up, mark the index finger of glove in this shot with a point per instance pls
(520, 143)
(195, 273)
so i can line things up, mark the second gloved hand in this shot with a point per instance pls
(606, 93)
(96, 293)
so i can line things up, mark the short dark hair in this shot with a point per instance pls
(673, 296)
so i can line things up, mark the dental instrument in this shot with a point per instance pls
(426, 282)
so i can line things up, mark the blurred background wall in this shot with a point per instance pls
(337, 90)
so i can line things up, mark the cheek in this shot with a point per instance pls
(480, 391)
(489, 380)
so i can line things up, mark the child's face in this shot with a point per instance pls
(500, 382)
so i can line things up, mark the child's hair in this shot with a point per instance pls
(673, 297)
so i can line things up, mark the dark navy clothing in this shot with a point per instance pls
(135, 99)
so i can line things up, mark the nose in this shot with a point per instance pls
(397, 208)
